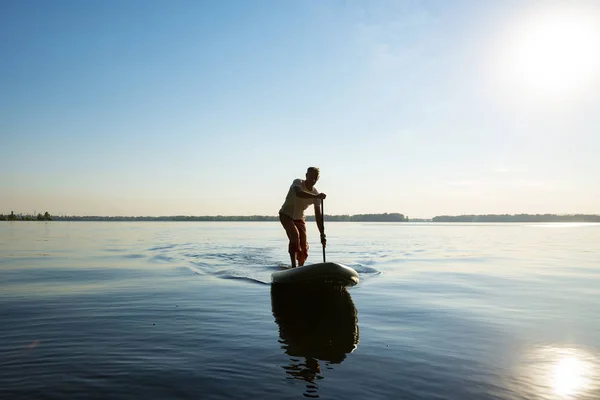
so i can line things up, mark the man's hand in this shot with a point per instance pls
(321, 196)
(323, 240)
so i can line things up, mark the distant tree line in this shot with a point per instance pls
(518, 218)
(385, 217)
(170, 218)
(25, 217)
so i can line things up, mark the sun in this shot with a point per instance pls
(554, 52)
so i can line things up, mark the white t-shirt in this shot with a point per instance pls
(294, 206)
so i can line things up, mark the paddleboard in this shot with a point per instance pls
(327, 272)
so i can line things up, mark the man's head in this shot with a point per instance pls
(312, 176)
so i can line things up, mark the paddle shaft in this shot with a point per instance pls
(323, 224)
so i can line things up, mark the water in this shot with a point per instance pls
(184, 310)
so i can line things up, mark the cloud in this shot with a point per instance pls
(465, 182)
(501, 183)
(394, 34)
(530, 183)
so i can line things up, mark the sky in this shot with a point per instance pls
(425, 108)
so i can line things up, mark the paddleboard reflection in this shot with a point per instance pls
(318, 324)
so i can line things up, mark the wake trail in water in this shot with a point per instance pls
(246, 263)
(250, 264)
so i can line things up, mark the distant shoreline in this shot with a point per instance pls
(385, 217)
(518, 218)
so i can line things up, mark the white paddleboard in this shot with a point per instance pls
(327, 272)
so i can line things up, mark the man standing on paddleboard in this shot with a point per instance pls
(300, 196)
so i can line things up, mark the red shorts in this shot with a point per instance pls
(296, 233)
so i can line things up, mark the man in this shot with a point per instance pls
(300, 196)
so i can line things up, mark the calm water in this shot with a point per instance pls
(185, 310)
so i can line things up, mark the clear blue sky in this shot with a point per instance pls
(213, 107)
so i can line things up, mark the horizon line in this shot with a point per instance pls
(308, 215)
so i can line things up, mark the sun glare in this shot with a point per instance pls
(555, 52)
(559, 373)
(569, 376)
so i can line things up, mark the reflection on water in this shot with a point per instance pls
(316, 324)
(559, 373)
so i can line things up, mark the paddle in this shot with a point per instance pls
(323, 224)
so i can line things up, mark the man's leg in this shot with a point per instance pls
(293, 236)
(302, 240)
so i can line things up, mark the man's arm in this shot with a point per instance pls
(307, 195)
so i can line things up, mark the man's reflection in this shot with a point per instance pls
(316, 323)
